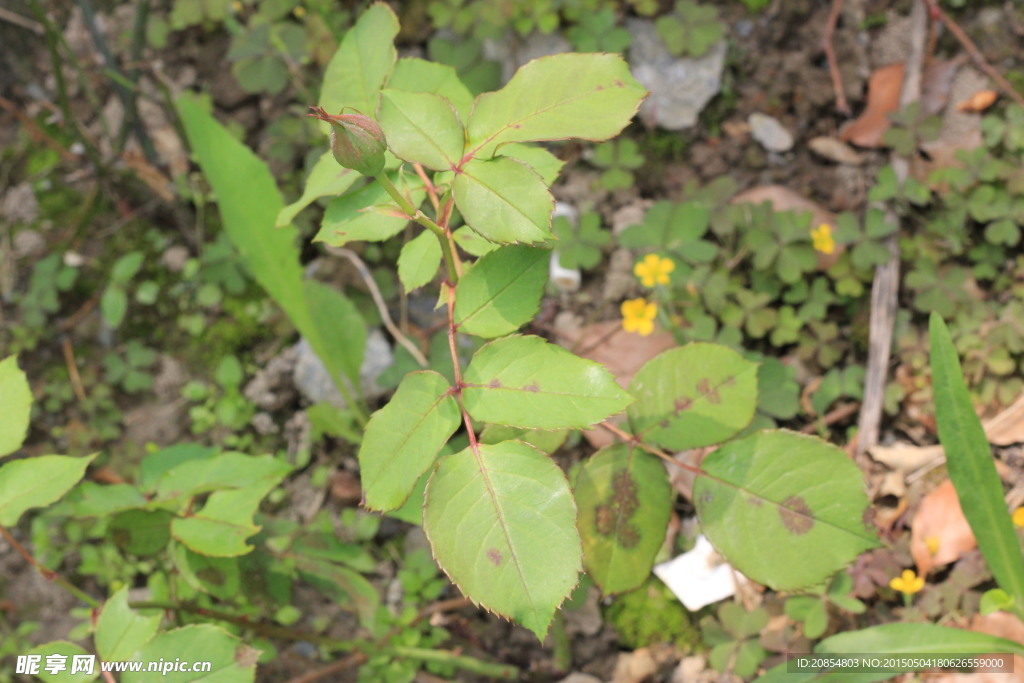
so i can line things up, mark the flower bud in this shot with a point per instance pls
(356, 141)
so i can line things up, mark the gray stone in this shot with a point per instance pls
(680, 87)
(314, 382)
(19, 204)
(772, 135)
(578, 677)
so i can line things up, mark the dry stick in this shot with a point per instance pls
(24, 22)
(885, 288)
(831, 417)
(333, 668)
(975, 53)
(69, 360)
(49, 574)
(382, 306)
(830, 55)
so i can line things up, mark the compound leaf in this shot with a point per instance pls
(502, 291)
(493, 518)
(523, 381)
(403, 438)
(696, 395)
(785, 509)
(625, 501)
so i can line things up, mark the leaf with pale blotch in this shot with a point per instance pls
(419, 260)
(494, 518)
(422, 128)
(692, 396)
(588, 96)
(785, 509)
(523, 381)
(37, 482)
(351, 217)
(502, 291)
(15, 405)
(327, 179)
(362, 63)
(418, 75)
(403, 438)
(504, 200)
(625, 500)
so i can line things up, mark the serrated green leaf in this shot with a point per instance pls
(141, 532)
(419, 75)
(90, 499)
(493, 517)
(120, 630)
(504, 200)
(971, 466)
(217, 576)
(785, 509)
(37, 482)
(15, 405)
(696, 395)
(625, 501)
(155, 465)
(589, 96)
(325, 180)
(403, 438)
(502, 291)
(227, 470)
(422, 128)
(222, 526)
(350, 218)
(523, 381)
(419, 260)
(543, 440)
(362, 63)
(230, 660)
(543, 162)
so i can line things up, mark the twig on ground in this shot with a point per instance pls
(830, 55)
(382, 306)
(69, 360)
(18, 20)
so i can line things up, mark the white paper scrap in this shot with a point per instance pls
(699, 577)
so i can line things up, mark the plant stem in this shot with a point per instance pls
(49, 574)
(560, 643)
(415, 214)
(470, 664)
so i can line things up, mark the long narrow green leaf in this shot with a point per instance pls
(971, 467)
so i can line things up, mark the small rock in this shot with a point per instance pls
(577, 677)
(169, 379)
(633, 667)
(585, 619)
(772, 135)
(264, 424)
(19, 204)
(630, 214)
(271, 387)
(315, 384)
(512, 55)
(619, 278)
(835, 150)
(680, 87)
(689, 670)
(174, 258)
(29, 243)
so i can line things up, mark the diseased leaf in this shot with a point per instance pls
(625, 501)
(526, 382)
(37, 482)
(696, 395)
(785, 509)
(493, 518)
(15, 405)
(589, 96)
(403, 438)
(502, 291)
(325, 180)
(504, 200)
(422, 128)
(362, 63)
(419, 260)
(971, 467)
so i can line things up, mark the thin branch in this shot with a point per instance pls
(382, 306)
(49, 574)
(830, 55)
(69, 360)
(24, 22)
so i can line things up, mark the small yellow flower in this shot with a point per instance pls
(654, 270)
(908, 583)
(638, 316)
(932, 542)
(1018, 516)
(299, 12)
(822, 239)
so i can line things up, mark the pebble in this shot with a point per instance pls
(315, 384)
(680, 87)
(772, 135)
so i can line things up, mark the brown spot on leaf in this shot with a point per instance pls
(868, 519)
(796, 515)
(533, 386)
(211, 576)
(494, 384)
(705, 388)
(620, 84)
(682, 403)
(494, 555)
(755, 501)
(604, 519)
(611, 518)
(628, 537)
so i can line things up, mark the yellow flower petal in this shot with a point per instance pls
(1018, 516)
(908, 582)
(821, 238)
(638, 316)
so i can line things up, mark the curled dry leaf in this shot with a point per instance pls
(835, 150)
(940, 533)
(979, 101)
